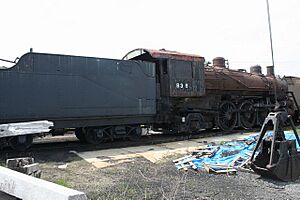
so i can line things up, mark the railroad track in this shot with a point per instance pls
(65, 145)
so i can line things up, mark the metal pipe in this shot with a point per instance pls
(271, 42)
(270, 32)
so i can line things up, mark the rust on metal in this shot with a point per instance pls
(232, 80)
(235, 80)
(270, 71)
(163, 53)
(219, 62)
(256, 69)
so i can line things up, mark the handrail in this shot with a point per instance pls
(15, 61)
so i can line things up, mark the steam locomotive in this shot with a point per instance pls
(104, 99)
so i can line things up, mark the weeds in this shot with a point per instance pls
(62, 182)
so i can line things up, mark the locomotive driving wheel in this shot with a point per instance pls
(261, 116)
(227, 116)
(247, 114)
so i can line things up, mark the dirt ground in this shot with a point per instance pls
(142, 179)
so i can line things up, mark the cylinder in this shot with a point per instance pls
(270, 71)
(255, 69)
(219, 62)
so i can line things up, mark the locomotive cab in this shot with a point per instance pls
(185, 78)
(178, 75)
(180, 78)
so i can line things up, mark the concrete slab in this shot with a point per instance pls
(100, 153)
(153, 153)
(29, 188)
(141, 149)
(181, 144)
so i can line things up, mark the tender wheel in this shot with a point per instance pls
(80, 135)
(135, 133)
(21, 143)
(227, 116)
(247, 114)
(2, 143)
(94, 135)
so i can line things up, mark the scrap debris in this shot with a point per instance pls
(24, 165)
(225, 158)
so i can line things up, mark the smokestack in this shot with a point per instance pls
(270, 71)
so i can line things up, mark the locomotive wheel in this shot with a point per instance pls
(21, 143)
(135, 133)
(94, 135)
(261, 116)
(2, 143)
(227, 116)
(247, 114)
(195, 122)
(80, 134)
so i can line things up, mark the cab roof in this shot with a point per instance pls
(163, 53)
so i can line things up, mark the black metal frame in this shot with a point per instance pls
(278, 119)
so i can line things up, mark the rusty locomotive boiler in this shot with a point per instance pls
(105, 99)
(251, 94)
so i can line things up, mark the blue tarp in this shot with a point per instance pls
(229, 151)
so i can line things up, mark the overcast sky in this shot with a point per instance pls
(234, 29)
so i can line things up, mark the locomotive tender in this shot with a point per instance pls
(107, 98)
